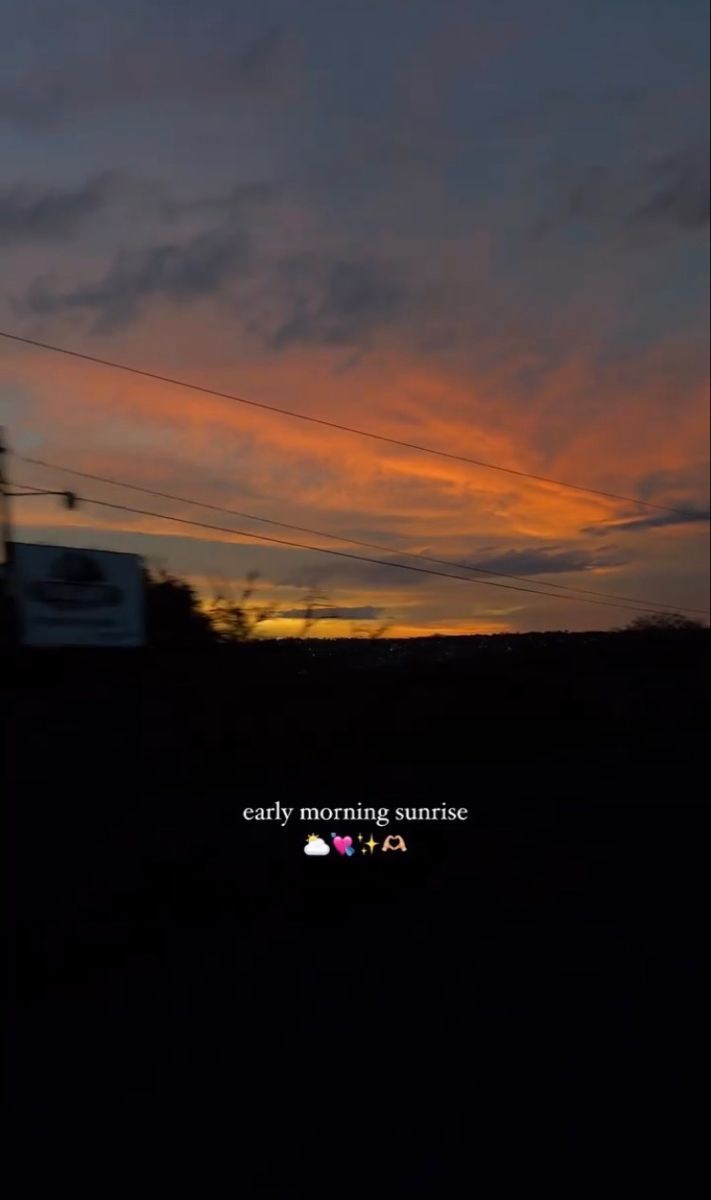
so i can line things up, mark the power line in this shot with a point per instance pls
(378, 562)
(443, 562)
(378, 437)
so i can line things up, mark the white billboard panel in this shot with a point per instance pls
(67, 596)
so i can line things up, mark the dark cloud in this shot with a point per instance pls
(674, 485)
(542, 562)
(237, 203)
(340, 304)
(657, 521)
(318, 572)
(551, 110)
(592, 195)
(31, 213)
(254, 66)
(181, 273)
(153, 60)
(362, 612)
(680, 196)
(530, 562)
(669, 195)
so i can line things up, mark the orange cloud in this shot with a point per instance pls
(235, 456)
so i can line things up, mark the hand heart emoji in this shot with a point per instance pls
(343, 844)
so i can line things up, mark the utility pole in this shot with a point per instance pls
(8, 614)
(5, 527)
(9, 645)
(9, 625)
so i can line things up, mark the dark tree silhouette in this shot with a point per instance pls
(174, 616)
(234, 618)
(671, 622)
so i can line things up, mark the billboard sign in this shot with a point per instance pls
(67, 596)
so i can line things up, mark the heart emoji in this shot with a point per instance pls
(343, 844)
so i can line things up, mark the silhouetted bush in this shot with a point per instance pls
(672, 622)
(174, 616)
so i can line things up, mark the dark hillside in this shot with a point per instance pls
(536, 972)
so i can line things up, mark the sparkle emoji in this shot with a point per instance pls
(371, 844)
(394, 842)
(316, 847)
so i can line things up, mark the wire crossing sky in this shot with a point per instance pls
(648, 605)
(127, 508)
(285, 412)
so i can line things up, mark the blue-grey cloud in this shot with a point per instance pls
(545, 561)
(660, 520)
(356, 612)
(155, 59)
(668, 485)
(323, 573)
(533, 561)
(668, 195)
(31, 213)
(201, 267)
(339, 303)
(680, 193)
(591, 194)
(238, 202)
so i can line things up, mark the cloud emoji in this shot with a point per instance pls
(316, 847)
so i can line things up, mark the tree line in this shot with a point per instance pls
(177, 615)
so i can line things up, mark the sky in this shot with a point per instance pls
(482, 227)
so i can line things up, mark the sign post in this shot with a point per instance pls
(67, 596)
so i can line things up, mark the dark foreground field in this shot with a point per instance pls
(199, 1003)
